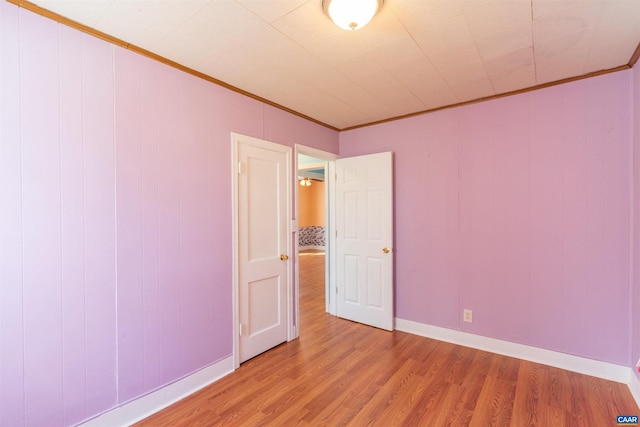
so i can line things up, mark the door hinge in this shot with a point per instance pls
(241, 329)
(336, 289)
(239, 168)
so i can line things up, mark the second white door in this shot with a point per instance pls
(364, 225)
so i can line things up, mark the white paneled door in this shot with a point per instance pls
(364, 225)
(263, 209)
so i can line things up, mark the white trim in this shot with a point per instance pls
(582, 365)
(296, 247)
(314, 152)
(149, 404)
(634, 386)
(234, 245)
(292, 325)
(331, 260)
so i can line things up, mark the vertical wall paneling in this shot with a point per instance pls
(42, 284)
(72, 226)
(169, 287)
(512, 139)
(99, 214)
(128, 149)
(429, 159)
(477, 219)
(213, 252)
(616, 135)
(543, 187)
(216, 149)
(220, 238)
(596, 216)
(11, 301)
(449, 144)
(635, 319)
(149, 141)
(545, 168)
(115, 219)
(194, 222)
(574, 213)
(501, 139)
(234, 114)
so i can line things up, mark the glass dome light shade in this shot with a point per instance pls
(351, 14)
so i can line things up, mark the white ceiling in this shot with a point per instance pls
(415, 55)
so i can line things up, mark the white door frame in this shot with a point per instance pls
(330, 262)
(235, 140)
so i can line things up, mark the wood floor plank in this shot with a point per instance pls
(341, 373)
(380, 407)
(527, 398)
(495, 405)
(452, 410)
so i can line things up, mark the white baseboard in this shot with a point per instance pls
(634, 386)
(151, 403)
(582, 365)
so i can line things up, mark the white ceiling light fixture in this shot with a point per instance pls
(351, 14)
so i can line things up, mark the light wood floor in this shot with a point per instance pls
(343, 373)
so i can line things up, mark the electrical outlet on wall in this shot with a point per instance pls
(467, 315)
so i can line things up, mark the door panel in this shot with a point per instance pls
(364, 211)
(375, 272)
(351, 264)
(264, 305)
(263, 208)
(263, 236)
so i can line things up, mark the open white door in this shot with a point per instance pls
(364, 225)
(263, 199)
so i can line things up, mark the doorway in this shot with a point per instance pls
(315, 218)
(312, 233)
(359, 261)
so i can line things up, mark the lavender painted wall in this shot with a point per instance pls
(115, 263)
(635, 108)
(115, 208)
(519, 209)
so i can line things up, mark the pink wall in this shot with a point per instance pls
(115, 208)
(635, 108)
(115, 219)
(519, 209)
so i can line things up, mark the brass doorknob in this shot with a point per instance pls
(386, 250)
(284, 257)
